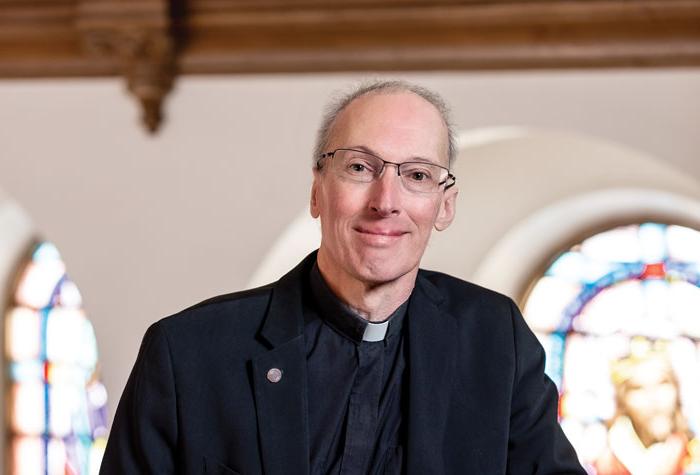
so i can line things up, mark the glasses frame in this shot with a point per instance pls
(449, 177)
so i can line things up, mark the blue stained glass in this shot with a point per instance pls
(686, 271)
(632, 326)
(46, 251)
(23, 371)
(567, 266)
(574, 266)
(620, 272)
(554, 361)
(61, 394)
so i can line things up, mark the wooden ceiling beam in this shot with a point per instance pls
(150, 41)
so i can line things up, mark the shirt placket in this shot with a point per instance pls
(363, 408)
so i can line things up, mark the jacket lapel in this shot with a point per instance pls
(432, 346)
(281, 403)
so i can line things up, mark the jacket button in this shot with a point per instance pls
(274, 375)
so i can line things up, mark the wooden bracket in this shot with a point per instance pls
(138, 35)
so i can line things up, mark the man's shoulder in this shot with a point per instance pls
(241, 308)
(240, 297)
(460, 295)
(238, 313)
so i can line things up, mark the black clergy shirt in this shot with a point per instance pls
(356, 395)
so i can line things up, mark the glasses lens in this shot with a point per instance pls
(422, 177)
(363, 167)
(355, 165)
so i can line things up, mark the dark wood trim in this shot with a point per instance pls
(162, 38)
(47, 38)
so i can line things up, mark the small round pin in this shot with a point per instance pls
(274, 375)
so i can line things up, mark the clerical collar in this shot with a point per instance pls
(345, 321)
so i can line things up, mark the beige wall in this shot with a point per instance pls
(149, 225)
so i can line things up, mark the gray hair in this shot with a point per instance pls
(339, 104)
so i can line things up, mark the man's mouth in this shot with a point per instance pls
(380, 231)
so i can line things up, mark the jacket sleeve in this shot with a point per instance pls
(536, 444)
(143, 437)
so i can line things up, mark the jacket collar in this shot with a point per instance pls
(280, 402)
(285, 315)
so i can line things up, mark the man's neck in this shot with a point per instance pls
(373, 301)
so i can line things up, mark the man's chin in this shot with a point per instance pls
(379, 273)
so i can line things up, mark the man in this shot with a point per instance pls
(354, 362)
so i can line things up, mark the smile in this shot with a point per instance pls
(379, 237)
(380, 232)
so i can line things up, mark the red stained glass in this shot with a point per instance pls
(654, 271)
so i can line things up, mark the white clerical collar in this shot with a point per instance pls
(375, 331)
(347, 321)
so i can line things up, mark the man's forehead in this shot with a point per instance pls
(401, 117)
(392, 103)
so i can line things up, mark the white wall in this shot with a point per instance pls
(149, 225)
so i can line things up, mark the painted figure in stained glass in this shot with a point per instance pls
(649, 433)
(617, 316)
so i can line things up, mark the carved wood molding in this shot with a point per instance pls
(447, 35)
(149, 41)
(137, 34)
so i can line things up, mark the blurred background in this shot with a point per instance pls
(156, 153)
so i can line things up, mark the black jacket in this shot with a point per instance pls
(199, 401)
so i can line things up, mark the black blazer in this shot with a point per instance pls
(198, 399)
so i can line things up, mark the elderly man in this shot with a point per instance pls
(356, 361)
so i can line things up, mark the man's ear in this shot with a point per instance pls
(447, 209)
(313, 205)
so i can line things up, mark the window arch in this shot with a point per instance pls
(57, 406)
(619, 316)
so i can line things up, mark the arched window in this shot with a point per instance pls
(619, 317)
(57, 416)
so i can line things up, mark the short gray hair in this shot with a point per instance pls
(338, 105)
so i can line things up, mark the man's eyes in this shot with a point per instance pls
(359, 166)
(418, 174)
(413, 172)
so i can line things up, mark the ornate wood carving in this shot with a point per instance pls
(147, 41)
(138, 35)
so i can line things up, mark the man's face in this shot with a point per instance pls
(377, 232)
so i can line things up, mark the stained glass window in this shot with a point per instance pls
(619, 317)
(57, 405)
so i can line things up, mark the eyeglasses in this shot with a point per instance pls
(364, 167)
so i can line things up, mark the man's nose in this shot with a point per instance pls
(386, 192)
